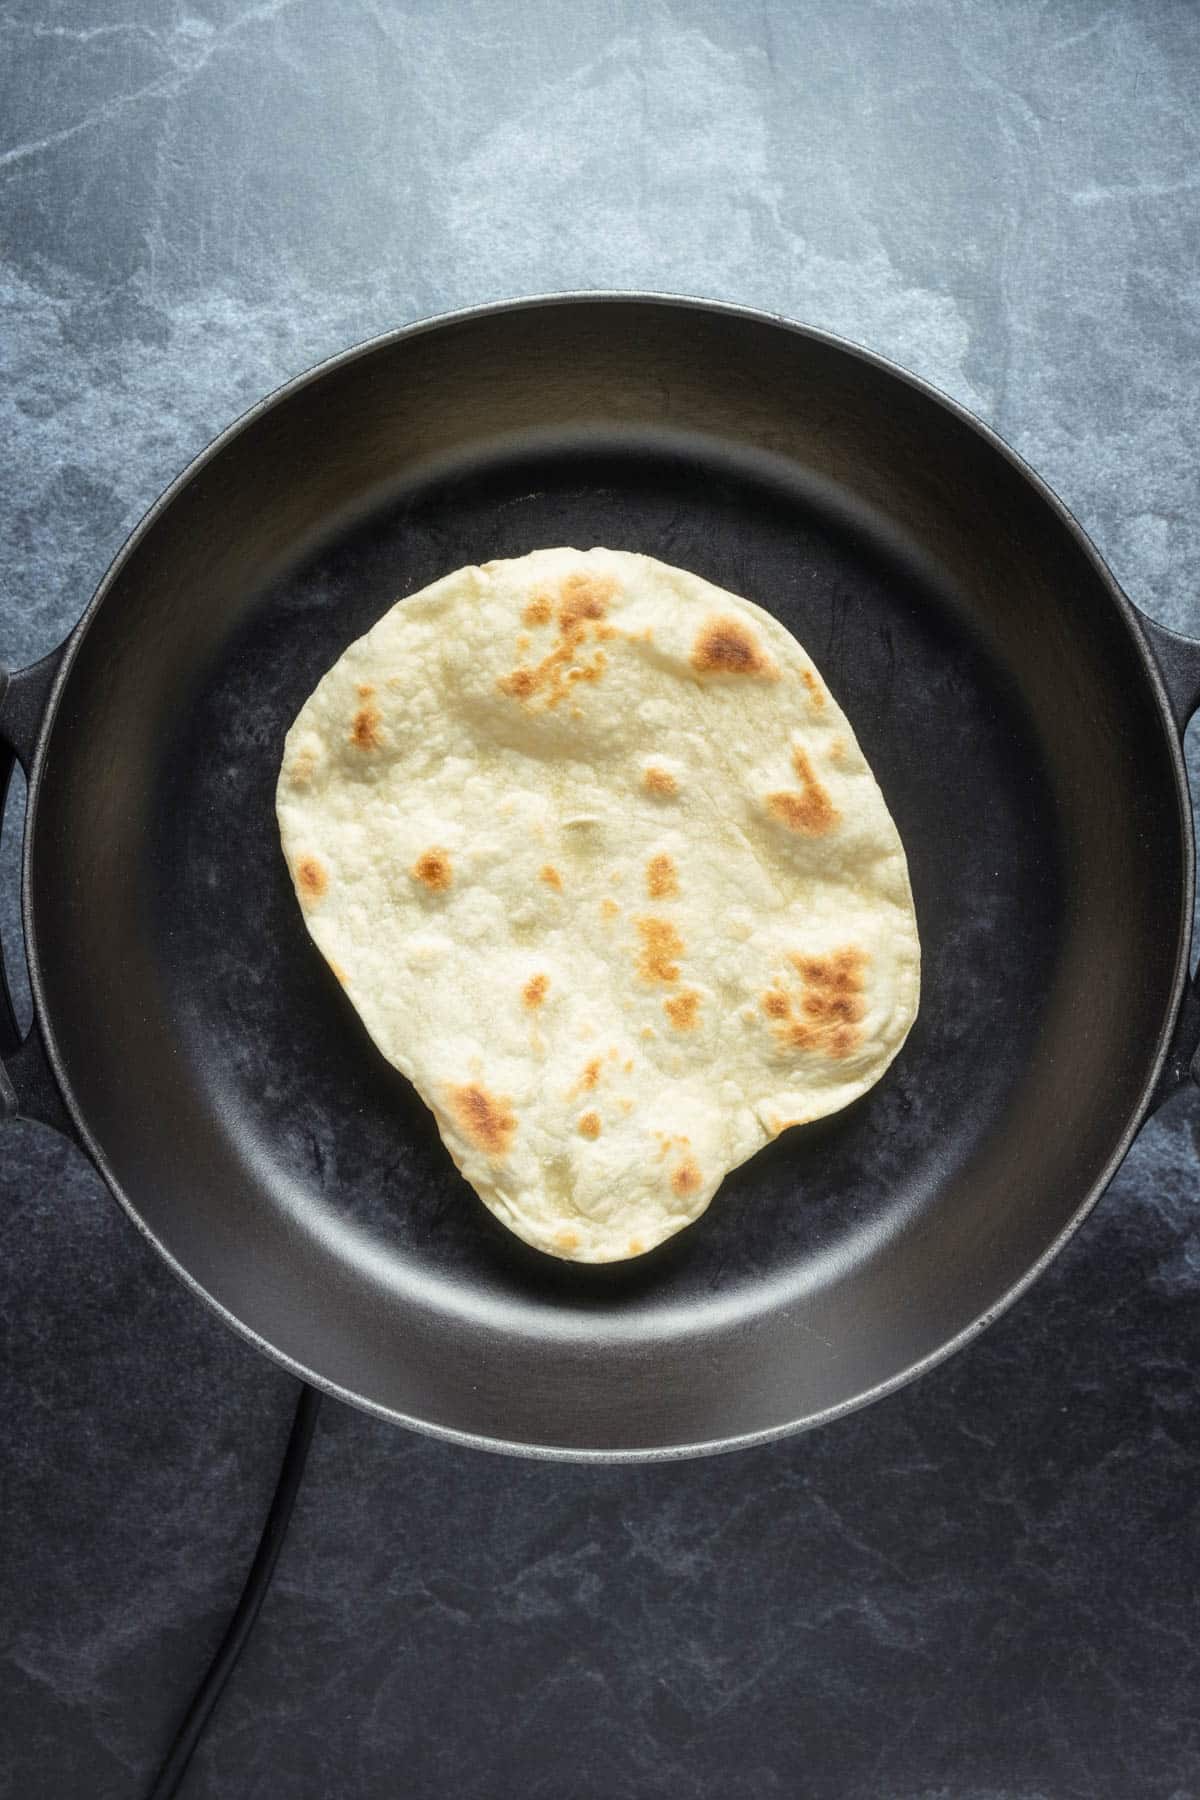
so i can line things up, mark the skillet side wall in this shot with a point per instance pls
(1033, 597)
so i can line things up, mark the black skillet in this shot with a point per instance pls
(1023, 719)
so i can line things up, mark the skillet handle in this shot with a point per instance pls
(1178, 660)
(28, 1089)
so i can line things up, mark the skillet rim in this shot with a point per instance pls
(1139, 643)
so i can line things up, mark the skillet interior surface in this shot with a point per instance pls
(244, 1115)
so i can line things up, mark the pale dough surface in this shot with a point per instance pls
(595, 854)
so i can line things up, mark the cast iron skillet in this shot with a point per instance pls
(1023, 719)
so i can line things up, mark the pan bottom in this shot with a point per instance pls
(335, 1141)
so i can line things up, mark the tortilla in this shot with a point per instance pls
(595, 855)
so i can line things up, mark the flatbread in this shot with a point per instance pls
(596, 857)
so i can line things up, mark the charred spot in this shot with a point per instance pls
(364, 731)
(432, 869)
(609, 909)
(487, 1120)
(662, 883)
(584, 601)
(365, 690)
(810, 812)
(831, 1005)
(312, 877)
(683, 1010)
(534, 991)
(550, 875)
(636, 1247)
(816, 693)
(661, 944)
(727, 646)
(660, 782)
(589, 1125)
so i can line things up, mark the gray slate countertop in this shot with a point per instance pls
(984, 1588)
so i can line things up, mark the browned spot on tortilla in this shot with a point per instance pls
(538, 612)
(583, 602)
(609, 909)
(683, 1009)
(816, 693)
(587, 671)
(365, 690)
(685, 1178)
(566, 1240)
(312, 877)
(550, 875)
(841, 969)
(534, 991)
(810, 812)
(662, 883)
(821, 1005)
(627, 1065)
(661, 944)
(591, 1075)
(432, 869)
(726, 645)
(636, 1247)
(589, 1125)
(837, 750)
(486, 1119)
(831, 1004)
(659, 781)
(364, 732)
(303, 767)
(521, 684)
(584, 596)
(339, 973)
(523, 643)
